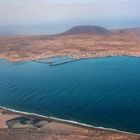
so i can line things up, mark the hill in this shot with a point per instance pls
(87, 29)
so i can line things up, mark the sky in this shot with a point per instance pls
(54, 16)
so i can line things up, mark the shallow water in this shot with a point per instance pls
(101, 92)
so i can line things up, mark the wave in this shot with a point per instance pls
(67, 121)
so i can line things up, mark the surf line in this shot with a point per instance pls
(68, 121)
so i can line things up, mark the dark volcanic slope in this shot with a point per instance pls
(87, 29)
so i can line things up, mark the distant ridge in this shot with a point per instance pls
(134, 30)
(87, 29)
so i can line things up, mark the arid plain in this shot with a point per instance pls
(80, 42)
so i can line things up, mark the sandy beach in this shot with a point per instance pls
(13, 125)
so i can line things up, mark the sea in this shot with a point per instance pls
(100, 92)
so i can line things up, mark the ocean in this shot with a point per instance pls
(102, 92)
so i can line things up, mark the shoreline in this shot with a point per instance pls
(73, 59)
(74, 123)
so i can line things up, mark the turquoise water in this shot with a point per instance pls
(101, 92)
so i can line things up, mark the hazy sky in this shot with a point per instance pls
(57, 15)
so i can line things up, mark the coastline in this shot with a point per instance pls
(74, 123)
(73, 59)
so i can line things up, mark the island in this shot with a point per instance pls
(79, 42)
